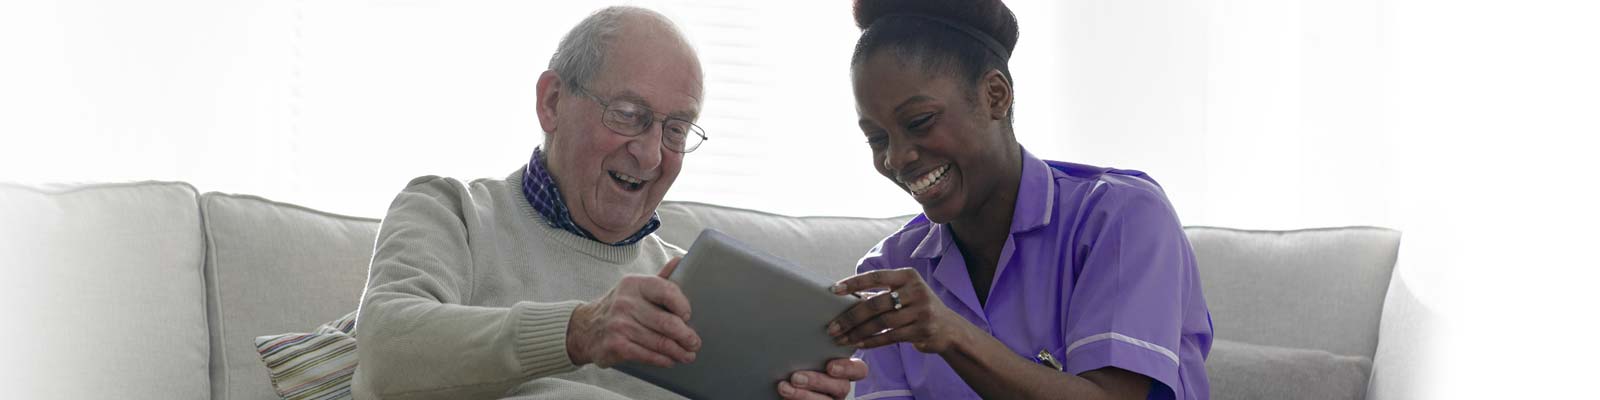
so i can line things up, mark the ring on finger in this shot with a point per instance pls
(894, 298)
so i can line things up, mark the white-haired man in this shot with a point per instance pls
(532, 285)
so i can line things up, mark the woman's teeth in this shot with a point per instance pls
(933, 177)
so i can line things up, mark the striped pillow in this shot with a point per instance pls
(312, 365)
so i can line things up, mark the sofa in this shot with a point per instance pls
(153, 290)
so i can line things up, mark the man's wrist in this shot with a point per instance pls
(576, 324)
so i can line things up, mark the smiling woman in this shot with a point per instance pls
(1023, 278)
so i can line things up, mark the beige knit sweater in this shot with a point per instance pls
(469, 294)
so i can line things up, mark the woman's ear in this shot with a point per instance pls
(549, 89)
(997, 94)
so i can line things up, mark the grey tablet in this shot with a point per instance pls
(758, 318)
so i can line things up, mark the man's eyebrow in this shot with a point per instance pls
(914, 100)
(635, 98)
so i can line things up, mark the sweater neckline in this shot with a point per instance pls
(610, 254)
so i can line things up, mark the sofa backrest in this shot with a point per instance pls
(826, 248)
(104, 292)
(274, 268)
(1311, 289)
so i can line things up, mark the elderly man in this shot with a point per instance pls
(532, 285)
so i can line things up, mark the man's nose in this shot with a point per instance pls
(647, 146)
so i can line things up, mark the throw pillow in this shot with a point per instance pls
(315, 365)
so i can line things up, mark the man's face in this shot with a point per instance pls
(610, 182)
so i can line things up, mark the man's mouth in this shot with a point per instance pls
(928, 180)
(627, 182)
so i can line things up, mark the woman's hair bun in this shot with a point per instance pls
(991, 17)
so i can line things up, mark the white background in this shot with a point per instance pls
(1468, 125)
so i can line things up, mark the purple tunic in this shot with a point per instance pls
(1096, 271)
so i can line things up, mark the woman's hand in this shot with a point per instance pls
(909, 311)
(816, 385)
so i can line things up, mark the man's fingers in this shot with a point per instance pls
(665, 294)
(787, 390)
(621, 349)
(814, 381)
(671, 326)
(850, 369)
(659, 344)
(666, 271)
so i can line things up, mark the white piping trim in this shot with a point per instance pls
(883, 394)
(1121, 338)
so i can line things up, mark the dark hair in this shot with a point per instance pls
(940, 34)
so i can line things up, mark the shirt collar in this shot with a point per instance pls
(1036, 191)
(542, 193)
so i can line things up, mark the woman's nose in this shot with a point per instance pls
(900, 154)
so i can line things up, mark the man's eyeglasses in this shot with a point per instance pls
(629, 119)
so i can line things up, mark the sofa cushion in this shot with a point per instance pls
(1244, 371)
(1316, 289)
(274, 268)
(828, 248)
(104, 292)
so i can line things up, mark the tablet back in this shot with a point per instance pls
(758, 318)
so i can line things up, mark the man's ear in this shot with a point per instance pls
(997, 94)
(549, 88)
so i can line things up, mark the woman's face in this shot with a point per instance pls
(928, 135)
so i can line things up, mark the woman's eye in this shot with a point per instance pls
(922, 121)
(877, 141)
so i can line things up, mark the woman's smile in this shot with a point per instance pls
(931, 185)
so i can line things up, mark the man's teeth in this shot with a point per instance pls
(928, 180)
(625, 178)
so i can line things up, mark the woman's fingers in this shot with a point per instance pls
(880, 279)
(914, 334)
(907, 296)
(882, 322)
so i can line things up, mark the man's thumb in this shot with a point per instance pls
(666, 271)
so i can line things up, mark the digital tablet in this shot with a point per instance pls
(758, 318)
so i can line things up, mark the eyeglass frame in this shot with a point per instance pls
(605, 107)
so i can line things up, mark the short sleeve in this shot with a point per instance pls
(1126, 307)
(886, 375)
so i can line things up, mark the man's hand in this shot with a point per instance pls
(816, 385)
(643, 319)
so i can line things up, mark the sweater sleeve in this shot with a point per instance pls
(416, 339)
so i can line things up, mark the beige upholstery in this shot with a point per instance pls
(140, 289)
(104, 292)
(275, 268)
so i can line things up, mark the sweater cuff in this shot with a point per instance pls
(541, 337)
